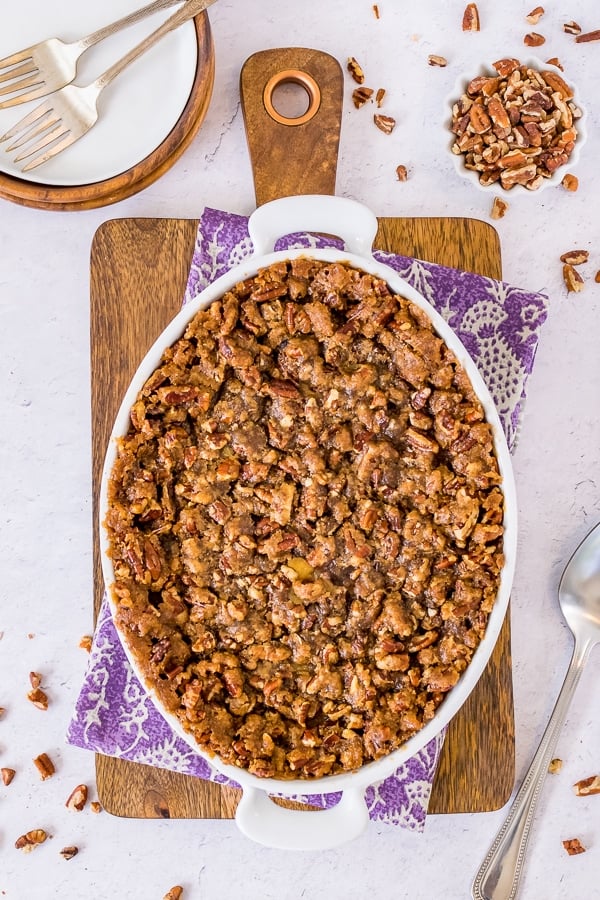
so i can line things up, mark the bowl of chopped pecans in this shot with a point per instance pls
(516, 126)
(308, 523)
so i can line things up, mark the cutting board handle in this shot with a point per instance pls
(292, 155)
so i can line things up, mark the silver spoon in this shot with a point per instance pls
(579, 598)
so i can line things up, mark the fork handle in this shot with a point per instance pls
(96, 36)
(499, 875)
(190, 9)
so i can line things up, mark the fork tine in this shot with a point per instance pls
(40, 91)
(68, 139)
(58, 130)
(36, 114)
(16, 71)
(18, 57)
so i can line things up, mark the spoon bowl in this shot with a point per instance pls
(579, 598)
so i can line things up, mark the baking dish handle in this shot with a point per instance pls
(263, 821)
(339, 216)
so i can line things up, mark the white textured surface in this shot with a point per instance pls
(45, 469)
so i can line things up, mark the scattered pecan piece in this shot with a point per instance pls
(588, 36)
(95, 807)
(402, 173)
(35, 679)
(379, 96)
(535, 15)
(175, 893)
(69, 852)
(573, 846)
(77, 798)
(86, 643)
(361, 95)
(470, 20)
(39, 698)
(555, 61)
(384, 123)
(356, 70)
(533, 39)
(572, 28)
(2, 711)
(597, 277)
(570, 182)
(555, 766)
(575, 257)
(587, 786)
(376, 11)
(27, 842)
(435, 60)
(572, 279)
(499, 208)
(45, 766)
(7, 776)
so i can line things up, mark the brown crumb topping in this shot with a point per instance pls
(305, 522)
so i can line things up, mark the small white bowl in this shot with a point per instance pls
(460, 88)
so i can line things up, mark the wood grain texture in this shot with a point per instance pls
(147, 170)
(139, 269)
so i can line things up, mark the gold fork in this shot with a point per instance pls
(45, 67)
(69, 113)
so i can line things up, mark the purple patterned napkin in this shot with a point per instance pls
(499, 325)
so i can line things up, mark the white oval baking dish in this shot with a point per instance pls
(257, 816)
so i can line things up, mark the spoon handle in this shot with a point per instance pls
(499, 874)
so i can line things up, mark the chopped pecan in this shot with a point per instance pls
(505, 67)
(361, 95)
(434, 60)
(554, 61)
(45, 766)
(588, 36)
(379, 96)
(384, 123)
(39, 698)
(555, 766)
(573, 846)
(356, 70)
(376, 11)
(587, 786)
(533, 39)
(575, 257)
(401, 173)
(86, 643)
(470, 20)
(30, 840)
(35, 679)
(69, 852)
(572, 279)
(499, 208)
(572, 28)
(597, 277)
(174, 893)
(535, 15)
(77, 798)
(7, 776)
(95, 807)
(570, 182)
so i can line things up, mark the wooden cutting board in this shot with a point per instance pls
(139, 269)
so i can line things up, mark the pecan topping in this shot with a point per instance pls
(361, 95)
(45, 766)
(573, 846)
(29, 841)
(470, 20)
(384, 123)
(356, 70)
(587, 786)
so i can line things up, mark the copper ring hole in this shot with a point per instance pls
(292, 76)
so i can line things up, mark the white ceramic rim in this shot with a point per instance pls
(460, 88)
(375, 771)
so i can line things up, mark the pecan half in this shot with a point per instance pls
(384, 123)
(32, 839)
(587, 786)
(572, 279)
(356, 70)
(588, 36)
(470, 20)
(575, 257)
(573, 846)
(45, 766)
(535, 15)
(69, 852)
(77, 798)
